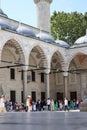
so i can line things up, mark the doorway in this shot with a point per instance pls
(22, 95)
(33, 94)
(73, 95)
(59, 96)
(42, 96)
(13, 96)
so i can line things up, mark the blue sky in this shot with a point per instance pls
(25, 10)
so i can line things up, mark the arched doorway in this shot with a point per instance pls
(78, 77)
(11, 80)
(36, 73)
(56, 77)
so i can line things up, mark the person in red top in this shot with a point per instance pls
(29, 103)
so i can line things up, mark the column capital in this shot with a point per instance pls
(37, 1)
(47, 71)
(25, 68)
(65, 73)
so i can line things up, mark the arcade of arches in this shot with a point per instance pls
(40, 73)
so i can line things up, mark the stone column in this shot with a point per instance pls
(65, 74)
(83, 86)
(24, 84)
(47, 86)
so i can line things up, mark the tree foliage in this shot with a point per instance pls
(68, 26)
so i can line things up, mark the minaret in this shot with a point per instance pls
(43, 14)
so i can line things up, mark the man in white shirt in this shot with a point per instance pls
(66, 104)
(48, 104)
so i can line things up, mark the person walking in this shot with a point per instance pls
(48, 103)
(66, 104)
(52, 105)
(2, 104)
(29, 104)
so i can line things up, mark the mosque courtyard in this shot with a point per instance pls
(43, 121)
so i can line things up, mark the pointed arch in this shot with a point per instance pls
(12, 43)
(73, 56)
(40, 54)
(58, 56)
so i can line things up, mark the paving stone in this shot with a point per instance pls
(43, 121)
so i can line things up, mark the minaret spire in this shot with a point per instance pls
(43, 14)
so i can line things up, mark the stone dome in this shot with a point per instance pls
(62, 43)
(81, 40)
(25, 31)
(14, 28)
(2, 13)
(4, 24)
(45, 37)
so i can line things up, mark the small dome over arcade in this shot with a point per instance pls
(45, 37)
(2, 13)
(62, 43)
(4, 24)
(14, 28)
(81, 40)
(25, 31)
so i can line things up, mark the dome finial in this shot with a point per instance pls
(19, 24)
(40, 31)
(57, 36)
(86, 31)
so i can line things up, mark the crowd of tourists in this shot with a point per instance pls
(46, 105)
(53, 105)
(63, 104)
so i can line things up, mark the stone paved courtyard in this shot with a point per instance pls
(43, 121)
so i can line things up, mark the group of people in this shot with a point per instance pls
(52, 105)
(29, 105)
(63, 104)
